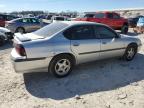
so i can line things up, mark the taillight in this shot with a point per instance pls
(20, 49)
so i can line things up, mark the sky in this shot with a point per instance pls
(65, 5)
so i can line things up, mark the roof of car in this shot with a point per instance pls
(79, 22)
(22, 18)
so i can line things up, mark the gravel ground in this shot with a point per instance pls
(103, 84)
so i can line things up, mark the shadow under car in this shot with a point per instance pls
(87, 78)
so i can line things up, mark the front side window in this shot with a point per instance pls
(105, 33)
(89, 16)
(99, 15)
(80, 33)
(110, 15)
(116, 16)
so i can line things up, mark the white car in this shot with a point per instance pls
(5, 34)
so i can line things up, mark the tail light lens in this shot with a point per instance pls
(8, 23)
(20, 49)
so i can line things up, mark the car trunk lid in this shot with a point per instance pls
(27, 37)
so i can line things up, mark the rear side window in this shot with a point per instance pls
(80, 33)
(99, 15)
(34, 20)
(25, 20)
(105, 32)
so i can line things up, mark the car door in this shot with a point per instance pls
(111, 43)
(117, 22)
(109, 20)
(26, 23)
(84, 43)
(35, 24)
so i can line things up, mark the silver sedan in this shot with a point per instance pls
(58, 47)
(24, 25)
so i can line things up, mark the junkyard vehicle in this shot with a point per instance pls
(5, 35)
(58, 18)
(140, 25)
(59, 46)
(4, 18)
(24, 25)
(111, 19)
(133, 21)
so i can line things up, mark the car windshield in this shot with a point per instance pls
(50, 29)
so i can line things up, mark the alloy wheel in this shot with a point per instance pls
(62, 67)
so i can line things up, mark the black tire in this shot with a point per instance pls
(132, 48)
(54, 65)
(124, 29)
(2, 41)
(20, 30)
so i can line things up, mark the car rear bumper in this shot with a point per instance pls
(24, 65)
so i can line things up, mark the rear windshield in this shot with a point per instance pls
(51, 29)
(59, 18)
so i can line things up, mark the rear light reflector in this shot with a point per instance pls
(20, 49)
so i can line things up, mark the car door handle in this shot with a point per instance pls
(76, 44)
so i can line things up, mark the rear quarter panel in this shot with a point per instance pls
(38, 48)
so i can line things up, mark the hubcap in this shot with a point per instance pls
(62, 67)
(20, 30)
(130, 53)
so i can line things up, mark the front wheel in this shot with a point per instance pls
(61, 66)
(124, 29)
(130, 53)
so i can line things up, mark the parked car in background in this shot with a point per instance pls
(59, 46)
(24, 25)
(49, 17)
(133, 21)
(59, 18)
(5, 35)
(4, 18)
(111, 19)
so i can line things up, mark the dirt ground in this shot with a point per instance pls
(109, 83)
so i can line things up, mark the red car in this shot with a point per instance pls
(4, 18)
(111, 19)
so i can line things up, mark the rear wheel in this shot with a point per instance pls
(2, 41)
(124, 29)
(20, 30)
(61, 66)
(130, 52)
